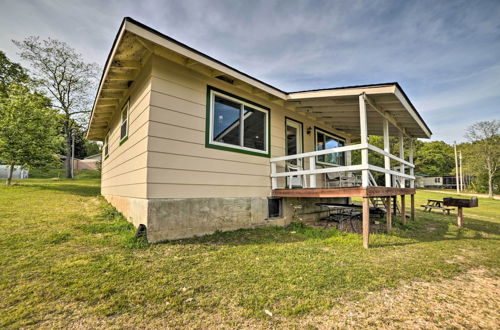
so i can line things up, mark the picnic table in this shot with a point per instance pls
(435, 204)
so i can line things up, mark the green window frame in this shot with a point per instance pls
(106, 146)
(245, 106)
(124, 122)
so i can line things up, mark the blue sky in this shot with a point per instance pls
(445, 54)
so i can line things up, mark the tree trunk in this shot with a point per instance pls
(9, 175)
(490, 185)
(68, 164)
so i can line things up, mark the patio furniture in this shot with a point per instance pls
(341, 213)
(300, 179)
(339, 179)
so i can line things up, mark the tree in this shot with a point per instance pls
(484, 152)
(91, 148)
(83, 147)
(431, 158)
(10, 73)
(434, 158)
(28, 129)
(67, 79)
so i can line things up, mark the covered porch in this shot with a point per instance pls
(382, 110)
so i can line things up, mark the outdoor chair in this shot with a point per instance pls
(336, 179)
(300, 180)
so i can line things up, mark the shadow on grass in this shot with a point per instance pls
(427, 228)
(293, 233)
(69, 187)
(432, 228)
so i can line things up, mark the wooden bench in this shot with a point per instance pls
(433, 204)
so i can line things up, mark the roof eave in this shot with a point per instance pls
(129, 24)
(111, 54)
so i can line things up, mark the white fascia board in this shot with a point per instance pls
(412, 112)
(148, 35)
(105, 74)
(390, 89)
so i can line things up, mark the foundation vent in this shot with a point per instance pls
(274, 208)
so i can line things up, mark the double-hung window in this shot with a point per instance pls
(237, 124)
(106, 146)
(124, 122)
(325, 140)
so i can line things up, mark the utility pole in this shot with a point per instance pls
(461, 173)
(456, 167)
(72, 154)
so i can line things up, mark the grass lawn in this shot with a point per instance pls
(70, 260)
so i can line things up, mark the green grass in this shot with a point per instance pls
(68, 259)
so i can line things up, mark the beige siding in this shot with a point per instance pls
(160, 190)
(124, 172)
(179, 164)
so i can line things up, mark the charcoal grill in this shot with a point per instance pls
(460, 203)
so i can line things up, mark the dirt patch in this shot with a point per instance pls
(470, 301)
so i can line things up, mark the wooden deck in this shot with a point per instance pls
(371, 191)
(386, 193)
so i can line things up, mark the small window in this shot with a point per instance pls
(124, 122)
(325, 140)
(237, 124)
(274, 208)
(106, 146)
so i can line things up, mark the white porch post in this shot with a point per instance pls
(402, 156)
(274, 181)
(348, 154)
(312, 167)
(412, 170)
(387, 148)
(363, 126)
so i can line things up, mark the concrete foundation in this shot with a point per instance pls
(134, 209)
(170, 219)
(180, 218)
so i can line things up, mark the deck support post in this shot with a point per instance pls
(402, 156)
(388, 214)
(363, 127)
(412, 206)
(366, 222)
(460, 217)
(403, 209)
(394, 205)
(387, 148)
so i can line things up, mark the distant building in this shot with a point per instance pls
(88, 163)
(436, 181)
(19, 172)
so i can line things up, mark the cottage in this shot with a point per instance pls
(438, 181)
(192, 145)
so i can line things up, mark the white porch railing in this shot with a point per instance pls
(312, 171)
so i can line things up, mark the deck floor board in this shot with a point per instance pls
(371, 191)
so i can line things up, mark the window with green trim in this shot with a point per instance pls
(106, 146)
(124, 122)
(237, 124)
(325, 140)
